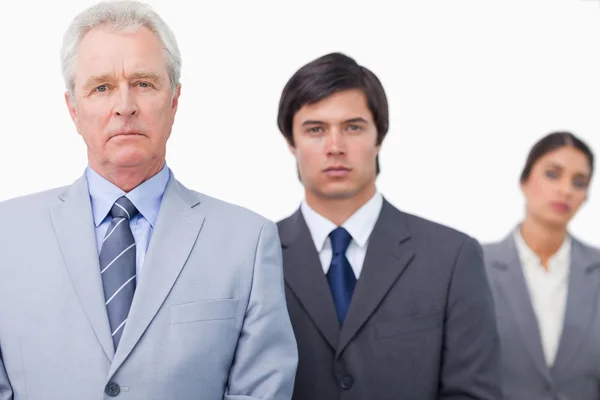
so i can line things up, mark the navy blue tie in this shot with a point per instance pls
(340, 276)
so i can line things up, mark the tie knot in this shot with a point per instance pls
(340, 239)
(123, 208)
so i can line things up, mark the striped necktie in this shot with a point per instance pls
(117, 266)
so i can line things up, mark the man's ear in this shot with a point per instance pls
(175, 101)
(70, 101)
(291, 145)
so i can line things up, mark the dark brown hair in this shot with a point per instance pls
(320, 78)
(551, 142)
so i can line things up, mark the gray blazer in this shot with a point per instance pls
(208, 320)
(575, 374)
(420, 326)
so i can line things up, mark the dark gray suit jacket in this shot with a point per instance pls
(575, 374)
(420, 326)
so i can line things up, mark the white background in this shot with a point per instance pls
(471, 85)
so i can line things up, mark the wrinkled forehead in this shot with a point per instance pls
(107, 51)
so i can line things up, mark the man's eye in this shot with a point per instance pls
(144, 85)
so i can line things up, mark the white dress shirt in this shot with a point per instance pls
(547, 290)
(359, 226)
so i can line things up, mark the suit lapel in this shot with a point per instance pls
(515, 291)
(581, 306)
(389, 252)
(177, 228)
(304, 276)
(74, 227)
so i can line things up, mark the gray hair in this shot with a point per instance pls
(123, 16)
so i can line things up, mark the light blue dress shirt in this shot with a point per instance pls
(147, 198)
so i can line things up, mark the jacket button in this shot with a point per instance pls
(347, 382)
(112, 389)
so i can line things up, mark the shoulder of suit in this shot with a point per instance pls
(283, 222)
(431, 230)
(591, 250)
(418, 227)
(498, 251)
(34, 201)
(228, 211)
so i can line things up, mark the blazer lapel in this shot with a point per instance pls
(388, 254)
(177, 228)
(515, 291)
(304, 276)
(74, 228)
(581, 305)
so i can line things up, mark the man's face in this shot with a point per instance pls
(123, 105)
(335, 146)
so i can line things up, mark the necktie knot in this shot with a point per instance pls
(123, 208)
(340, 239)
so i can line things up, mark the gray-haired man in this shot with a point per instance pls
(127, 284)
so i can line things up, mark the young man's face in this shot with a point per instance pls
(335, 145)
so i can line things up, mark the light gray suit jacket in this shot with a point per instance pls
(575, 374)
(208, 320)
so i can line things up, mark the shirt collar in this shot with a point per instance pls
(360, 224)
(528, 256)
(145, 197)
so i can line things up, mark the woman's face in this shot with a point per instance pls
(557, 186)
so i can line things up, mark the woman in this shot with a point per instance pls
(546, 283)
